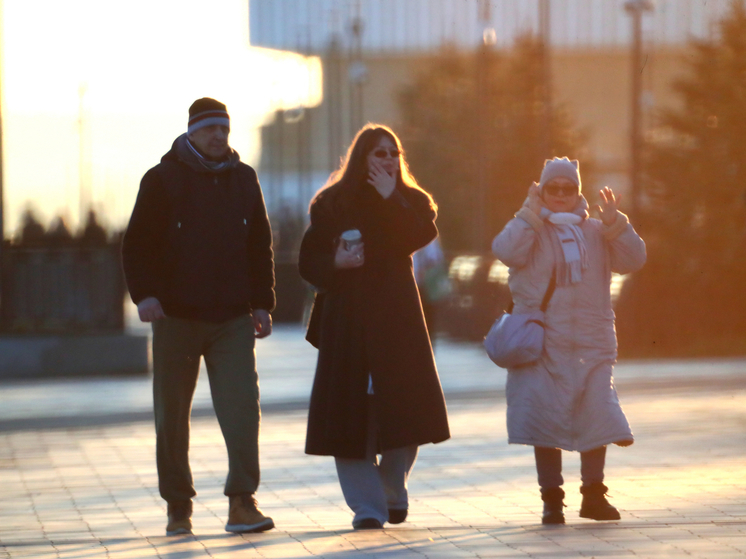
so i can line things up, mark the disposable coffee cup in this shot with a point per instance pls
(351, 238)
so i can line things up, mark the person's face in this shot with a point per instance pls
(212, 141)
(560, 195)
(386, 154)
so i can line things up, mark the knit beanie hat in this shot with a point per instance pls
(560, 167)
(207, 112)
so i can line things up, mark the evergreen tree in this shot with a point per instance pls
(461, 103)
(690, 297)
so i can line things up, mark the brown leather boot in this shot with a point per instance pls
(244, 516)
(594, 505)
(179, 518)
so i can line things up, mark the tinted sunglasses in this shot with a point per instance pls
(553, 190)
(380, 153)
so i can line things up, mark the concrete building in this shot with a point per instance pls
(371, 48)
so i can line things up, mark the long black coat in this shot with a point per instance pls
(368, 321)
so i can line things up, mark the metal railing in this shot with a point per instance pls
(66, 289)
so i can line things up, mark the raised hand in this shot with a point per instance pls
(380, 179)
(609, 205)
(534, 199)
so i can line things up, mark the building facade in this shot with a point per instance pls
(370, 49)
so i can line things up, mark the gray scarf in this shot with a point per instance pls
(208, 163)
(568, 241)
(187, 153)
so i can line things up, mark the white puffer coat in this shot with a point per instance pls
(567, 399)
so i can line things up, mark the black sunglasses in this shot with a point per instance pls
(553, 190)
(380, 153)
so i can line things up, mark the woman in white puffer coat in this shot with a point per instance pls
(567, 400)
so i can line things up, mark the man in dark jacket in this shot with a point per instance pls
(198, 260)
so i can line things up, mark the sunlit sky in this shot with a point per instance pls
(131, 69)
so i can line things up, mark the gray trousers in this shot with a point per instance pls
(372, 487)
(549, 466)
(228, 349)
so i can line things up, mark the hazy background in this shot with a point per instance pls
(650, 96)
(94, 92)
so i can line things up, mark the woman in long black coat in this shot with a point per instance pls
(376, 389)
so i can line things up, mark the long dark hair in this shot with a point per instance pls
(353, 171)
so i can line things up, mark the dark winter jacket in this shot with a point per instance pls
(199, 240)
(368, 321)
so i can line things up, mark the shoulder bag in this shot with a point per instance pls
(518, 339)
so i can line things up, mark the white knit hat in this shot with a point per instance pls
(560, 167)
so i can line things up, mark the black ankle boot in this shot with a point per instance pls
(553, 505)
(594, 505)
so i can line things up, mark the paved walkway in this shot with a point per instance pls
(77, 472)
(286, 364)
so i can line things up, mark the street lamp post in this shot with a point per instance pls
(636, 8)
(84, 186)
(481, 200)
(357, 73)
(333, 100)
(545, 35)
(2, 170)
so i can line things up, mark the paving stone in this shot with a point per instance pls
(91, 491)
